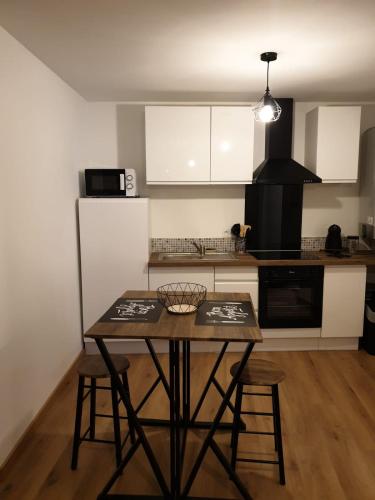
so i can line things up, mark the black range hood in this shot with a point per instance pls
(279, 167)
(274, 212)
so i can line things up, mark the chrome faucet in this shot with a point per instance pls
(201, 248)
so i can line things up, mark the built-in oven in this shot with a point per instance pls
(290, 296)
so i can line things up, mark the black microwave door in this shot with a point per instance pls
(105, 182)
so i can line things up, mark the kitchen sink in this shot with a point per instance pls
(211, 256)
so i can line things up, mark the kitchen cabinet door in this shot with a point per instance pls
(232, 144)
(159, 276)
(177, 144)
(230, 273)
(240, 280)
(332, 142)
(343, 301)
(240, 287)
(112, 261)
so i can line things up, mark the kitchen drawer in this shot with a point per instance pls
(158, 276)
(239, 287)
(236, 274)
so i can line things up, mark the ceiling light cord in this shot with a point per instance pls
(268, 67)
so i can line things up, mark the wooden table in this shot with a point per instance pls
(176, 329)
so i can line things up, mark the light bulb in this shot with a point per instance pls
(266, 113)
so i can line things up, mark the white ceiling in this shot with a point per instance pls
(201, 49)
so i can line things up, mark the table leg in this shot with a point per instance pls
(132, 416)
(212, 380)
(160, 378)
(185, 395)
(177, 417)
(172, 430)
(186, 380)
(189, 421)
(158, 366)
(209, 441)
(175, 450)
(209, 381)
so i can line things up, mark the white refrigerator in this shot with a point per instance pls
(114, 241)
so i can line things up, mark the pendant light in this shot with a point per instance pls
(267, 109)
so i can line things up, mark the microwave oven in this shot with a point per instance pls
(116, 182)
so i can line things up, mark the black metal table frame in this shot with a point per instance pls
(176, 423)
(212, 380)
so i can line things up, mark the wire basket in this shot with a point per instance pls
(181, 298)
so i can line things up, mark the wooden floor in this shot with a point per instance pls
(328, 418)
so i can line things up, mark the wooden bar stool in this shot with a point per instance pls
(259, 372)
(93, 367)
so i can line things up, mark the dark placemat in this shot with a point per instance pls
(225, 313)
(133, 311)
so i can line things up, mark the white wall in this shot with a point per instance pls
(40, 332)
(197, 211)
(99, 135)
(48, 134)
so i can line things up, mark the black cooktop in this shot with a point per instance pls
(283, 254)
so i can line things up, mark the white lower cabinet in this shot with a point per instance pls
(241, 280)
(159, 276)
(343, 301)
(239, 287)
(222, 279)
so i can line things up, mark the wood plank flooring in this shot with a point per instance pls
(328, 418)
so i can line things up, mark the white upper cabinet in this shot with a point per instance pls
(332, 142)
(199, 144)
(177, 144)
(232, 144)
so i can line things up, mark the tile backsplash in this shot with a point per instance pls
(313, 243)
(186, 245)
(222, 244)
(318, 243)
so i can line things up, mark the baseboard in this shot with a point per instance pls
(17, 448)
(268, 344)
(340, 344)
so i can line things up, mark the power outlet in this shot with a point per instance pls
(370, 220)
